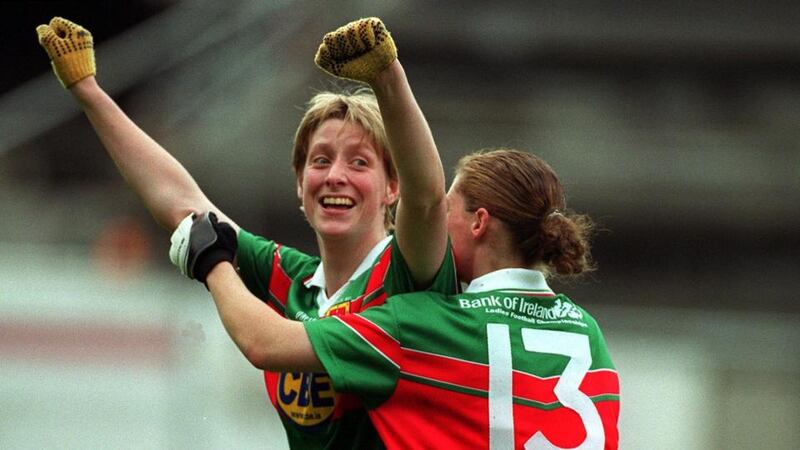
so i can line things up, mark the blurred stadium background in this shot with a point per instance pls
(674, 124)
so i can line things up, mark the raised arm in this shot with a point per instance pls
(364, 51)
(168, 191)
(421, 216)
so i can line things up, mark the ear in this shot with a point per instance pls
(392, 191)
(300, 190)
(480, 223)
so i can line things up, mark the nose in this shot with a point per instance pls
(337, 174)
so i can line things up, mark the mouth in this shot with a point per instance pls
(331, 202)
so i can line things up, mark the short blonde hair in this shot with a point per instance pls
(360, 107)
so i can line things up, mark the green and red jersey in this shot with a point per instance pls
(314, 415)
(507, 364)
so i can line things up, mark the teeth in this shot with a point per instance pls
(337, 201)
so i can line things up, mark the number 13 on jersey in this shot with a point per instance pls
(501, 412)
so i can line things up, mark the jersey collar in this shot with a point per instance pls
(318, 279)
(524, 280)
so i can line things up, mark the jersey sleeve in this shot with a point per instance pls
(254, 257)
(601, 357)
(398, 278)
(361, 352)
(446, 280)
(400, 281)
(267, 267)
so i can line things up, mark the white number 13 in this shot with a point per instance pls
(501, 412)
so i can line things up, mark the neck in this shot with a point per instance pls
(342, 256)
(486, 267)
(492, 255)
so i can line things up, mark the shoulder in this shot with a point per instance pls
(258, 254)
(417, 300)
(572, 310)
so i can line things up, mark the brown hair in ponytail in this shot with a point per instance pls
(525, 193)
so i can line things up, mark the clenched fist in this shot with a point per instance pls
(358, 51)
(70, 48)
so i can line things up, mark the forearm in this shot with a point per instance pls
(166, 188)
(267, 340)
(421, 227)
(413, 149)
(364, 50)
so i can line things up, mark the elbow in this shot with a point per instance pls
(436, 199)
(178, 205)
(279, 356)
(258, 359)
(258, 356)
(265, 352)
(429, 205)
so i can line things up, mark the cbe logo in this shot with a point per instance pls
(306, 398)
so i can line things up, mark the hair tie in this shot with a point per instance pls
(553, 213)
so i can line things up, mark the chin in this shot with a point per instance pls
(334, 230)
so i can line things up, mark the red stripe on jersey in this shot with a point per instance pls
(596, 382)
(609, 414)
(378, 274)
(445, 369)
(453, 419)
(600, 382)
(374, 336)
(279, 282)
(378, 300)
(459, 420)
(375, 282)
(271, 383)
(476, 376)
(358, 305)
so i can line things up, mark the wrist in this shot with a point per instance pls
(84, 88)
(387, 77)
(211, 260)
(218, 272)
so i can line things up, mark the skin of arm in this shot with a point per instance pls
(267, 340)
(167, 190)
(421, 226)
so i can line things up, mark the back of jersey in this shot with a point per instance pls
(508, 369)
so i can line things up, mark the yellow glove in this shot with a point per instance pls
(70, 48)
(359, 50)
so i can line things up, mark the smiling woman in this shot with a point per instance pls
(359, 109)
(343, 186)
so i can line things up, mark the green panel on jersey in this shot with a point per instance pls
(465, 318)
(255, 258)
(329, 336)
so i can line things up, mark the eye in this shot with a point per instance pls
(361, 162)
(320, 161)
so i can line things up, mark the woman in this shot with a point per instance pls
(346, 150)
(506, 364)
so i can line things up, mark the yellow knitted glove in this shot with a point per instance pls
(70, 48)
(359, 50)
